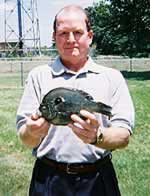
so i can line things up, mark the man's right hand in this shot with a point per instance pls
(37, 126)
(34, 130)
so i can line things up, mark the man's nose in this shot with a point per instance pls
(71, 37)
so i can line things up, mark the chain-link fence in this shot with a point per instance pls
(13, 72)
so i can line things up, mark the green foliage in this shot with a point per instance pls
(99, 15)
(131, 20)
(122, 27)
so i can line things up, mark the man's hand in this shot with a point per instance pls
(87, 129)
(37, 126)
(34, 130)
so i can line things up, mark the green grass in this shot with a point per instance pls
(15, 159)
(12, 79)
(132, 164)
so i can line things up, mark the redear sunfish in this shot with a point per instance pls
(60, 103)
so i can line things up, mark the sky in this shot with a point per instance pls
(47, 10)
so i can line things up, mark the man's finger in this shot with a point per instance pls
(91, 118)
(34, 116)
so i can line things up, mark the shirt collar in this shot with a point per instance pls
(58, 68)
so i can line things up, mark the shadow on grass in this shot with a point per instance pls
(142, 75)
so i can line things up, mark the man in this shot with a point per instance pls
(75, 159)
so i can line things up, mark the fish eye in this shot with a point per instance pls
(44, 107)
(58, 100)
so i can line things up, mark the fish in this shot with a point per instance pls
(60, 103)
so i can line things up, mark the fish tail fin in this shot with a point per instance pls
(104, 109)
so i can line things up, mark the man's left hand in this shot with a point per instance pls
(87, 129)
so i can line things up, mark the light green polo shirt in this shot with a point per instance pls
(106, 85)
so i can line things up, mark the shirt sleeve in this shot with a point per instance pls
(121, 101)
(30, 100)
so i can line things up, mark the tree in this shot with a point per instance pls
(124, 27)
(131, 20)
(99, 15)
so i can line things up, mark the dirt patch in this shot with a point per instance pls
(3, 86)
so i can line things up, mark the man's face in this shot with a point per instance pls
(71, 37)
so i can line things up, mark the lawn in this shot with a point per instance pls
(132, 164)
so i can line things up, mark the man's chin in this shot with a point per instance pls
(71, 58)
(74, 52)
(75, 55)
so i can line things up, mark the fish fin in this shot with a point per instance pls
(86, 95)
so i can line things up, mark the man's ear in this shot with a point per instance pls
(90, 34)
(54, 36)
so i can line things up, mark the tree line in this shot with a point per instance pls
(121, 27)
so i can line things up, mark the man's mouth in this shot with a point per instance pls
(71, 48)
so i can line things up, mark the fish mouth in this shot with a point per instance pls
(47, 112)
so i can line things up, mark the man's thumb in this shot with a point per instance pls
(34, 116)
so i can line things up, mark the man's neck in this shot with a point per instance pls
(75, 65)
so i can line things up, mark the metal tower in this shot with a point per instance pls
(22, 33)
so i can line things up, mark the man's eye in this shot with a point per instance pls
(63, 33)
(78, 33)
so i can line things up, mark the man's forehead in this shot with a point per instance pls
(70, 20)
(64, 15)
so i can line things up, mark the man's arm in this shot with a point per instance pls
(114, 137)
(87, 130)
